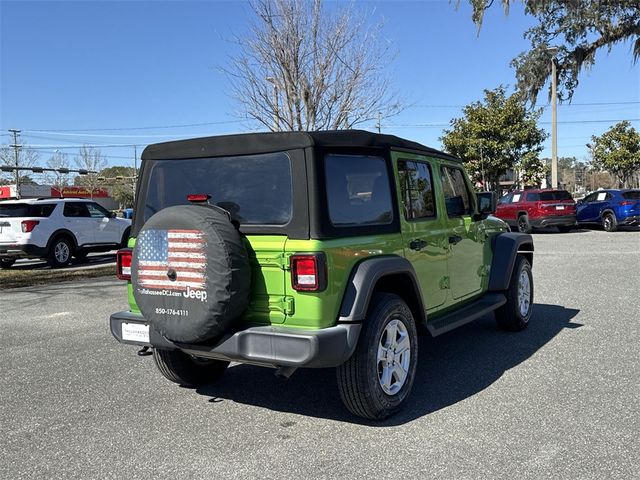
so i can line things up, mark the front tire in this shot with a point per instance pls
(60, 252)
(515, 314)
(378, 377)
(186, 370)
(609, 222)
(6, 263)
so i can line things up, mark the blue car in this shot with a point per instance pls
(610, 208)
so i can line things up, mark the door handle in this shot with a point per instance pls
(455, 239)
(417, 244)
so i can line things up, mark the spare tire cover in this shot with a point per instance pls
(190, 272)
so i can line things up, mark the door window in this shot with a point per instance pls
(97, 211)
(416, 190)
(456, 193)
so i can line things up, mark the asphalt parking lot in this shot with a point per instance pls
(559, 400)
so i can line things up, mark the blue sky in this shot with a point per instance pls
(126, 65)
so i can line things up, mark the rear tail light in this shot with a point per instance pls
(627, 202)
(198, 197)
(123, 264)
(29, 225)
(308, 272)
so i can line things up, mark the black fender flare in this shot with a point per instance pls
(363, 280)
(63, 232)
(506, 247)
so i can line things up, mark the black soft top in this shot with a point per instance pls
(254, 143)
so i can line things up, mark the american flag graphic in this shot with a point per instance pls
(180, 250)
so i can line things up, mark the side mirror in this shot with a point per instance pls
(113, 214)
(486, 203)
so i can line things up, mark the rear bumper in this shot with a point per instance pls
(633, 220)
(264, 345)
(554, 221)
(16, 250)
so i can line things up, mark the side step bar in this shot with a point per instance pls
(486, 304)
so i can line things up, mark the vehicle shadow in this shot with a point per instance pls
(451, 368)
(93, 259)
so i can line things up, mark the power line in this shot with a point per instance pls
(137, 128)
(537, 106)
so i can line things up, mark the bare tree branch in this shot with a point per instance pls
(305, 68)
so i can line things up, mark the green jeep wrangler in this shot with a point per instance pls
(318, 249)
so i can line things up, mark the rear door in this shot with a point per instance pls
(424, 230)
(465, 237)
(77, 219)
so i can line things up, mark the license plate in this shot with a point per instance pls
(135, 332)
(559, 207)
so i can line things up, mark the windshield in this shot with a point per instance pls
(555, 195)
(255, 189)
(26, 209)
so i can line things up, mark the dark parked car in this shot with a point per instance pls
(529, 209)
(610, 208)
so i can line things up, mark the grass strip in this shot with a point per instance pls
(26, 278)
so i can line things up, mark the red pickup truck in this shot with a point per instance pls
(525, 210)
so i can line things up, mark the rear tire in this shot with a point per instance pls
(60, 252)
(183, 369)
(515, 314)
(609, 222)
(523, 224)
(378, 377)
(6, 263)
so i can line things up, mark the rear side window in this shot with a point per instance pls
(254, 189)
(632, 195)
(417, 190)
(358, 191)
(456, 194)
(26, 209)
(555, 195)
(533, 197)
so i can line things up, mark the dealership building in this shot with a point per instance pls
(98, 195)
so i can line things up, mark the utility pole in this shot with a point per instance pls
(135, 171)
(16, 147)
(554, 124)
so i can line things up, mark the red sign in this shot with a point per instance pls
(84, 192)
(5, 191)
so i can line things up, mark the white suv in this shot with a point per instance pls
(57, 229)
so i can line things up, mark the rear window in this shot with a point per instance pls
(358, 191)
(633, 195)
(555, 195)
(255, 189)
(26, 210)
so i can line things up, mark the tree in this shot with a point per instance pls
(90, 159)
(305, 68)
(578, 29)
(56, 179)
(27, 157)
(618, 151)
(533, 170)
(122, 182)
(494, 135)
